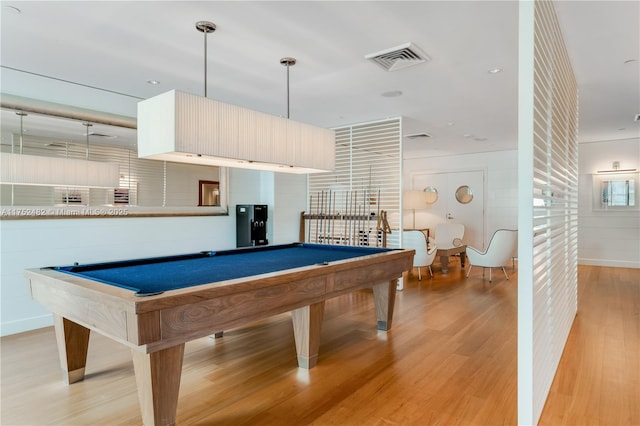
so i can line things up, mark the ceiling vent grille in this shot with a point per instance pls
(418, 136)
(399, 57)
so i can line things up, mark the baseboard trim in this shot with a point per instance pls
(610, 263)
(27, 324)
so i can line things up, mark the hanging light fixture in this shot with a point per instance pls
(181, 127)
(288, 62)
(303, 150)
(23, 169)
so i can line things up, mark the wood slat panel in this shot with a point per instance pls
(555, 224)
(368, 160)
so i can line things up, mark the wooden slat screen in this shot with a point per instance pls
(549, 293)
(368, 168)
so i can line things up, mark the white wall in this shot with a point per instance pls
(607, 238)
(501, 188)
(604, 238)
(289, 202)
(37, 243)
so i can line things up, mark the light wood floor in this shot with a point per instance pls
(449, 359)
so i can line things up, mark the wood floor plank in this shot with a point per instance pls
(449, 359)
(598, 379)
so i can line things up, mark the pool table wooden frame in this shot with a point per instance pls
(157, 327)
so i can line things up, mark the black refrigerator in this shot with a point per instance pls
(251, 225)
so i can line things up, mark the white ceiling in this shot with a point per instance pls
(99, 55)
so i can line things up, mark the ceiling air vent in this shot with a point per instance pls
(399, 57)
(418, 136)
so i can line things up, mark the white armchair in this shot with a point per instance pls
(425, 253)
(499, 252)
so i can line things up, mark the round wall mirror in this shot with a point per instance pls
(464, 194)
(431, 194)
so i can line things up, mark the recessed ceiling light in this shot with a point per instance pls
(451, 123)
(154, 82)
(494, 70)
(391, 94)
(467, 135)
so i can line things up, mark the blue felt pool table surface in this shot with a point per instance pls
(156, 275)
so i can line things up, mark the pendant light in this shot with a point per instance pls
(23, 169)
(186, 128)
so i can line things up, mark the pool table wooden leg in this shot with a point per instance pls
(307, 323)
(158, 378)
(384, 296)
(73, 344)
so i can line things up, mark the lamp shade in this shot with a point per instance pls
(414, 200)
(22, 169)
(186, 128)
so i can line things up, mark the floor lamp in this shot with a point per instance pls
(414, 200)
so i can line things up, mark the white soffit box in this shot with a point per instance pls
(185, 128)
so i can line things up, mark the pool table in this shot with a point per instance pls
(156, 305)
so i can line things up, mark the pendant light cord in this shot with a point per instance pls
(288, 62)
(21, 114)
(205, 27)
(86, 151)
(288, 113)
(205, 64)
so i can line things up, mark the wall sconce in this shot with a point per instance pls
(615, 168)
